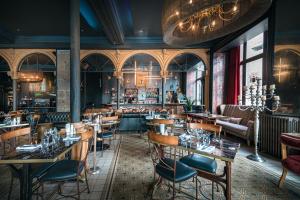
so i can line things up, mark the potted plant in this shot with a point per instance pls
(189, 104)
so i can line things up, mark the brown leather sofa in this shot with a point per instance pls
(237, 122)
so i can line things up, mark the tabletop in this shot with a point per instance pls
(221, 149)
(4, 126)
(19, 157)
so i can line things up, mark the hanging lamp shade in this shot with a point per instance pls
(191, 22)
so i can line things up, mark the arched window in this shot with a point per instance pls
(98, 85)
(6, 98)
(37, 83)
(186, 79)
(141, 80)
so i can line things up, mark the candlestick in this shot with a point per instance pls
(258, 96)
(276, 98)
(272, 87)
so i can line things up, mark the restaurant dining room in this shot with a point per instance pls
(150, 99)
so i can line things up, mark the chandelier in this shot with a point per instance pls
(30, 77)
(190, 22)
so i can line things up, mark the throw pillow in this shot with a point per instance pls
(235, 120)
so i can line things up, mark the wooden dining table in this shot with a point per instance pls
(223, 150)
(27, 159)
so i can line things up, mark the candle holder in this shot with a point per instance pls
(258, 95)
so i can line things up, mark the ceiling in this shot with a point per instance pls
(104, 24)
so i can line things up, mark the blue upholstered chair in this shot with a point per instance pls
(108, 132)
(16, 173)
(169, 169)
(69, 170)
(202, 164)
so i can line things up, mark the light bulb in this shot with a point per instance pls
(180, 24)
(213, 23)
(234, 8)
(191, 1)
(193, 27)
(177, 12)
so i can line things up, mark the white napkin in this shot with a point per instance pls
(209, 149)
(72, 138)
(28, 147)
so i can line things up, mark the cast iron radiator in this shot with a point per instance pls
(271, 127)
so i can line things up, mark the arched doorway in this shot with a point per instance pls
(142, 83)
(6, 96)
(37, 83)
(98, 85)
(186, 79)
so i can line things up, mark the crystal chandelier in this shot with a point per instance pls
(189, 22)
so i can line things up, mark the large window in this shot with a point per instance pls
(251, 53)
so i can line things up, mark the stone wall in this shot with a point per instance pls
(63, 80)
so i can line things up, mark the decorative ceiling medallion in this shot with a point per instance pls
(190, 22)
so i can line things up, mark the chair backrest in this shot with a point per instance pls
(157, 143)
(163, 121)
(81, 151)
(14, 134)
(165, 140)
(178, 116)
(113, 118)
(41, 128)
(207, 127)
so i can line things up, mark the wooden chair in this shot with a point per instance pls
(14, 135)
(178, 116)
(168, 169)
(206, 167)
(63, 171)
(207, 127)
(289, 162)
(16, 172)
(40, 130)
(163, 121)
(108, 133)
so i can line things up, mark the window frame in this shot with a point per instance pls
(246, 60)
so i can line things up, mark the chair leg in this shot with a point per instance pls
(102, 146)
(10, 187)
(282, 178)
(212, 190)
(78, 189)
(174, 190)
(196, 188)
(86, 181)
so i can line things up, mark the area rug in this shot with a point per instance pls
(132, 176)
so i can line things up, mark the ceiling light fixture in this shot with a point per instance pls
(204, 20)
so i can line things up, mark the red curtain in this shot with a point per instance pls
(233, 76)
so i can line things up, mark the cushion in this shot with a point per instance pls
(224, 119)
(41, 170)
(235, 120)
(233, 127)
(63, 170)
(200, 162)
(183, 172)
(292, 163)
(290, 140)
(104, 135)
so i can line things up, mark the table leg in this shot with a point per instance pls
(95, 169)
(228, 180)
(26, 183)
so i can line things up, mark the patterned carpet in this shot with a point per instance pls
(133, 176)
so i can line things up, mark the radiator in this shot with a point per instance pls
(271, 127)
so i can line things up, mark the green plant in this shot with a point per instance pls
(189, 104)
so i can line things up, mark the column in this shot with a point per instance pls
(75, 60)
(15, 100)
(118, 92)
(163, 80)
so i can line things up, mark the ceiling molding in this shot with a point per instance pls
(107, 12)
